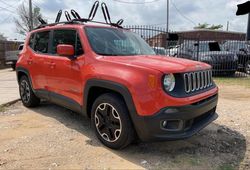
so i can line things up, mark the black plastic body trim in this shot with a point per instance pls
(204, 112)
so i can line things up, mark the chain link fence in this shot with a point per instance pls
(227, 52)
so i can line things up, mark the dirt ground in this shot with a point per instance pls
(51, 137)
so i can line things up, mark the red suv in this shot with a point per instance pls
(113, 76)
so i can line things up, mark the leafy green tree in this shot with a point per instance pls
(22, 22)
(207, 26)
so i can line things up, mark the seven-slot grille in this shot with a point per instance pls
(195, 81)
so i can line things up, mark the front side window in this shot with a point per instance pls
(69, 37)
(117, 42)
(41, 43)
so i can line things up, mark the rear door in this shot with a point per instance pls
(38, 50)
(64, 79)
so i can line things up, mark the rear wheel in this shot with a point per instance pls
(247, 67)
(111, 121)
(27, 95)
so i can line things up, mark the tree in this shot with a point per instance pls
(207, 26)
(22, 22)
(2, 37)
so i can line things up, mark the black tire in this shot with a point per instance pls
(110, 122)
(27, 95)
(247, 67)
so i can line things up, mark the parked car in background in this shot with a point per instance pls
(242, 49)
(223, 62)
(173, 50)
(11, 57)
(160, 50)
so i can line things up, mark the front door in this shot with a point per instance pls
(64, 80)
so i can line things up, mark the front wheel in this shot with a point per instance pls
(111, 121)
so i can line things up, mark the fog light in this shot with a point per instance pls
(164, 124)
(172, 125)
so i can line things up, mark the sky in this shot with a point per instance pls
(184, 14)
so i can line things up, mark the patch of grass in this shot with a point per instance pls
(242, 81)
(226, 167)
(194, 161)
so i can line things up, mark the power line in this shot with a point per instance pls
(134, 2)
(6, 9)
(9, 6)
(177, 9)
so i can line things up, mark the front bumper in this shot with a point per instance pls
(191, 119)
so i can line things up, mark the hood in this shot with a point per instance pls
(161, 63)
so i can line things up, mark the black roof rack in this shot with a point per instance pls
(78, 20)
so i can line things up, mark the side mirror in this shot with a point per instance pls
(66, 50)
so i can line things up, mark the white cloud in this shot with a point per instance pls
(210, 11)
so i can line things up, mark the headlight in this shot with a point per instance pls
(205, 58)
(169, 82)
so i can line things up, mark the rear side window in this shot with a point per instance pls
(41, 43)
(69, 37)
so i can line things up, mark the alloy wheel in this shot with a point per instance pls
(108, 122)
(25, 91)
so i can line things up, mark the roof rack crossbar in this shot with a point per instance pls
(78, 20)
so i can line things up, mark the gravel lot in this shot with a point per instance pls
(51, 137)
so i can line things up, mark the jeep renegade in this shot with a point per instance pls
(113, 76)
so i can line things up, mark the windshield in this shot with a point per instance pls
(117, 42)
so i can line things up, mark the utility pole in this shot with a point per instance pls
(244, 9)
(248, 28)
(167, 15)
(227, 25)
(30, 15)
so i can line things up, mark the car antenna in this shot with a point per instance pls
(41, 20)
(93, 10)
(75, 14)
(67, 16)
(58, 17)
